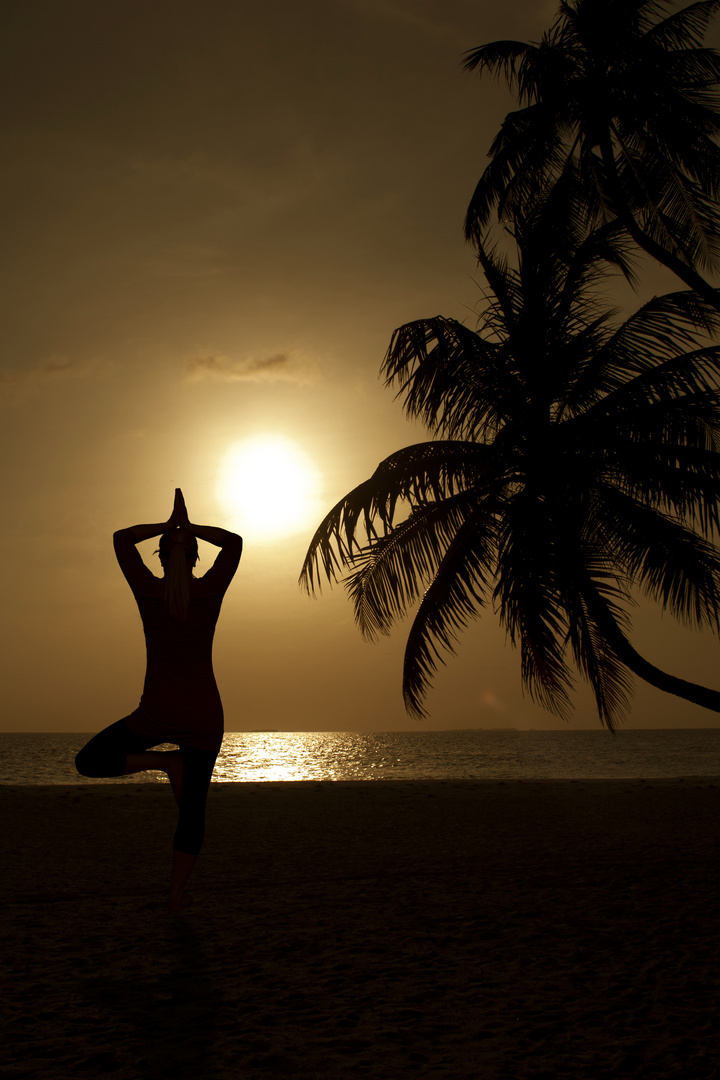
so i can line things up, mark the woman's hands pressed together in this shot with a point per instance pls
(179, 518)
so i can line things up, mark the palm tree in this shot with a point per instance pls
(573, 460)
(627, 102)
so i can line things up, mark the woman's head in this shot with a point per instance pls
(178, 538)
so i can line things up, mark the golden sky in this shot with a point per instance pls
(215, 216)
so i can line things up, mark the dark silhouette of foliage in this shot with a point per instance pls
(573, 460)
(623, 96)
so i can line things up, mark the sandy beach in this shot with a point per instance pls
(529, 929)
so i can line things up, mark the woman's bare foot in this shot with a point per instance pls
(182, 866)
(174, 768)
(180, 902)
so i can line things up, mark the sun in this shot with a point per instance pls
(269, 487)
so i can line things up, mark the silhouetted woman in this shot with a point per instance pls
(180, 701)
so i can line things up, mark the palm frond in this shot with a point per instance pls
(505, 299)
(609, 679)
(681, 215)
(451, 378)
(653, 342)
(685, 28)
(499, 58)
(528, 599)
(453, 598)
(678, 479)
(666, 558)
(525, 157)
(604, 248)
(415, 476)
(590, 564)
(392, 570)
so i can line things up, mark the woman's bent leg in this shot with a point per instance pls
(107, 752)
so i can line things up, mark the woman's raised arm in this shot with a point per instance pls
(135, 534)
(214, 535)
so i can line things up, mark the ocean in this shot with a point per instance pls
(422, 755)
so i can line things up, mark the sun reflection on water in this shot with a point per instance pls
(288, 756)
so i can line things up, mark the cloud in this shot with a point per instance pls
(280, 367)
(54, 369)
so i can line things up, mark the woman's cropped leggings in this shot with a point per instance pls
(106, 755)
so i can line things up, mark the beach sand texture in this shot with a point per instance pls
(519, 930)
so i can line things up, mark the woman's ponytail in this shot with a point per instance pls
(178, 561)
(177, 584)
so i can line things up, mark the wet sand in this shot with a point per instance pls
(519, 930)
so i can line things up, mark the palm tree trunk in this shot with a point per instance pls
(670, 684)
(687, 273)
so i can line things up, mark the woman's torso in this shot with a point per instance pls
(180, 702)
(180, 694)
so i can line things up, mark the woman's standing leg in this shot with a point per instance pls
(197, 769)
